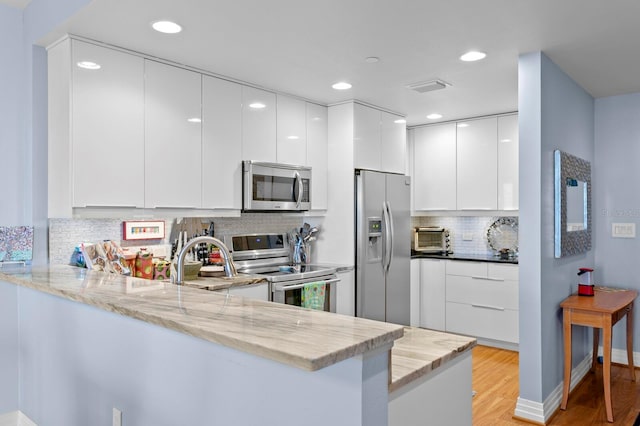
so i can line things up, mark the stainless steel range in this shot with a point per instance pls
(269, 255)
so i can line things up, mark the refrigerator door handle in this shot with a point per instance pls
(391, 235)
(388, 238)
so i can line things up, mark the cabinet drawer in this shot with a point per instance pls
(500, 270)
(482, 291)
(457, 267)
(482, 322)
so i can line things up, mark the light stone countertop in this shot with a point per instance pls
(223, 283)
(303, 338)
(421, 351)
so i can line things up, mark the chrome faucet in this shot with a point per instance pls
(229, 267)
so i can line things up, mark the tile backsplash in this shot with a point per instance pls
(468, 234)
(65, 234)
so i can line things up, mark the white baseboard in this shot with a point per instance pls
(541, 412)
(16, 418)
(619, 356)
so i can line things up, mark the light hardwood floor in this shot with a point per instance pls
(495, 379)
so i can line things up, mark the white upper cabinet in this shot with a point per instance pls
(258, 125)
(317, 153)
(221, 144)
(366, 137)
(393, 143)
(379, 142)
(508, 195)
(291, 131)
(434, 168)
(107, 127)
(173, 143)
(477, 164)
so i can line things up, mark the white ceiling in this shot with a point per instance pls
(301, 47)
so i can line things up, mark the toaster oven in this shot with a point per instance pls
(431, 239)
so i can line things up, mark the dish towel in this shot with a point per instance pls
(313, 295)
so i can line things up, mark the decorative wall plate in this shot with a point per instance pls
(503, 234)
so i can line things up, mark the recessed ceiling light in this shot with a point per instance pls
(293, 137)
(257, 105)
(473, 56)
(505, 140)
(166, 27)
(341, 86)
(88, 65)
(434, 116)
(461, 125)
(372, 59)
(400, 121)
(194, 120)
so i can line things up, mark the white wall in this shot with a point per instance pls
(616, 198)
(554, 113)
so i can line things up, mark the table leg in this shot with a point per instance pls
(606, 367)
(566, 313)
(630, 342)
(594, 358)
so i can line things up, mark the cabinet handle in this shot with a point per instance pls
(493, 308)
(119, 206)
(175, 207)
(487, 278)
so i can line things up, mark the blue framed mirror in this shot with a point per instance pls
(572, 180)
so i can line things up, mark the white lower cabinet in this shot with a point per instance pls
(258, 291)
(414, 293)
(432, 294)
(482, 300)
(346, 293)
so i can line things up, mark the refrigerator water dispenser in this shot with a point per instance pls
(374, 233)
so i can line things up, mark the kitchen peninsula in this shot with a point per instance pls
(214, 359)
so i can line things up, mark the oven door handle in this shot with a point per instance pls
(297, 286)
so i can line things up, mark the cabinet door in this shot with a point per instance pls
(414, 280)
(432, 293)
(221, 144)
(107, 128)
(477, 164)
(434, 168)
(508, 163)
(393, 143)
(173, 142)
(345, 294)
(366, 137)
(258, 125)
(317, 154)
(291, 145)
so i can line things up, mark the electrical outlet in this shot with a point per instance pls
(117, 417)
(467, 236)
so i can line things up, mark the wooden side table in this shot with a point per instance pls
(602, 310)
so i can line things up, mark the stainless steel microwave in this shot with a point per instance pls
(275, 187)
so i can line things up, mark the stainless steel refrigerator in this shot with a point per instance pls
(383, 246)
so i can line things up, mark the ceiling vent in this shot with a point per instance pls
(428, 86)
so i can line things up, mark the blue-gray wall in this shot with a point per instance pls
(554, 113)
(13, 153)
(616, 197)
(23, 113)
(9, 353)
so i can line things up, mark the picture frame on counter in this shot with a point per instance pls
(143, 230)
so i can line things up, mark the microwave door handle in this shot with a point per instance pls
(300, 189)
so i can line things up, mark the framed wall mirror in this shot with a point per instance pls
(572, 180)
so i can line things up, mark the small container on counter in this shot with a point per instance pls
(161, 270)
(144, 265)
